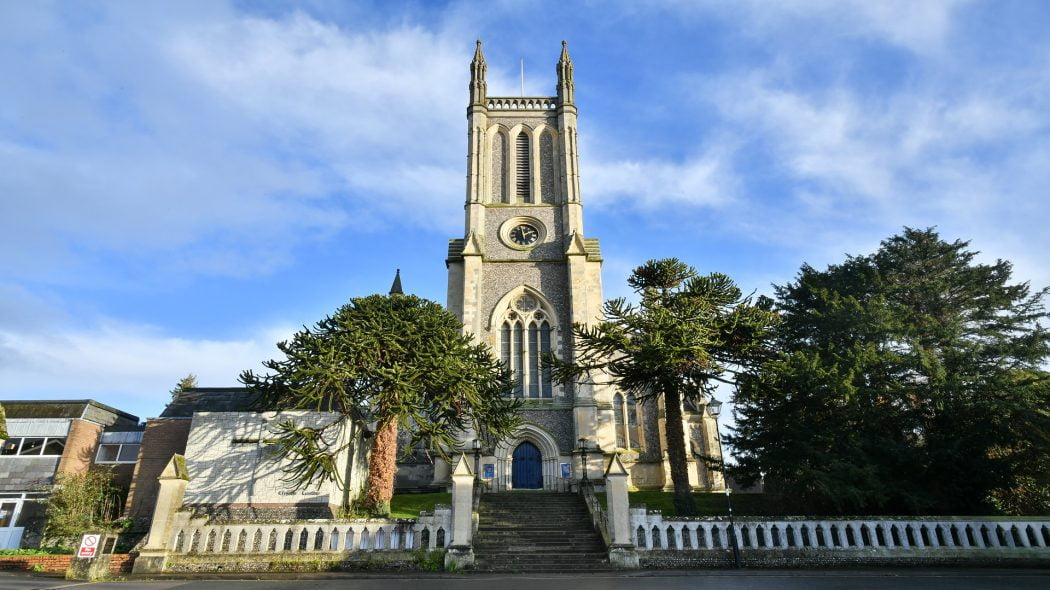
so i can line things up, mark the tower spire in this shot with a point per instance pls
(477, 77)
(566, 87)
(395, 288)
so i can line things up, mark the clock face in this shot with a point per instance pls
(524, 234)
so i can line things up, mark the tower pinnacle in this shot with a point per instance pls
(477, 77)
(566, 87)
(395, 288)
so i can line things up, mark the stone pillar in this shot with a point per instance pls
(460, 553)
(95, 567)
(173, 482)
(621, 550)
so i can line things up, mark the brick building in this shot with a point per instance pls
(47, 438)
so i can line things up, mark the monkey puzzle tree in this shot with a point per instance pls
(397, 361)
(687, 334)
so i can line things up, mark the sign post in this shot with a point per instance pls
(88, 546)
(89, 562)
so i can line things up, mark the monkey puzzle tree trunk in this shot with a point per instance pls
(676, 453)
(382, 465)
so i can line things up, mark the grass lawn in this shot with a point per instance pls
(708, 504)
(409, 505)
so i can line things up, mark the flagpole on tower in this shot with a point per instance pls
(523, 76)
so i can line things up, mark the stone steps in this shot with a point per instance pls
(537, 532)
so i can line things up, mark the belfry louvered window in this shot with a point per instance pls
(525, 337)
(524, 181)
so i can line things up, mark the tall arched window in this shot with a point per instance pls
(633, 433)
(525, 336)
(625, 416)
(621, 430)
(524, 183)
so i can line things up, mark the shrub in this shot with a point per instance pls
(80, 502)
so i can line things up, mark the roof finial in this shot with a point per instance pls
(566, 88)
(478, 88)
(395, 289)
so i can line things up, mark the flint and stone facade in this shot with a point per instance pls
(524, 272)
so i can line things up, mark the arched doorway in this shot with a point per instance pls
(526, 470)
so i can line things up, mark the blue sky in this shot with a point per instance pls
(183, 184)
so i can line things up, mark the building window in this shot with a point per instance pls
(525, 336)
(625, 410)
(621, 429)
(119, 447)
(117, 454)
(34, 447)
(524, 183)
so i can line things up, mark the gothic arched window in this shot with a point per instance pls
(524, 183)
(625, 416)
(621, 430)
(525, 337)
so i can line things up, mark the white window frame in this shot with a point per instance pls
(120, 449)
(21, 441)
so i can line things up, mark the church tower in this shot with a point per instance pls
(523, 273)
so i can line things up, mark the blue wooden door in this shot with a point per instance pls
(525, 471)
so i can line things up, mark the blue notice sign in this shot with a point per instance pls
(488, 471)
(566, 472)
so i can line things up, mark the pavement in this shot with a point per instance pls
(880, 579)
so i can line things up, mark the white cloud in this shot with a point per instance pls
(921, 27)
(217, 144)
(953, 154)
(706, 180)
(131, 367)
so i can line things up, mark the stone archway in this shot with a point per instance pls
(548, 458)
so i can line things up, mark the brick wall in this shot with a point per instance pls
(119, 563)
(163, 438)
(81, 445)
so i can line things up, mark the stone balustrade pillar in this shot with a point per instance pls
(618, 514)
(460, 552)
(173, 480)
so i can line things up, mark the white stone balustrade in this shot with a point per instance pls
(652, 532)
(428, 532)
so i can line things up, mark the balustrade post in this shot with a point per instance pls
(618, 515)
(173, 479)
(460, 552)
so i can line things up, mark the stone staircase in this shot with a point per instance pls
(537, 532)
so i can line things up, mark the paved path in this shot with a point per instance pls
(883, 579)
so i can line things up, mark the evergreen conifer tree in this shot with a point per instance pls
(910, 380)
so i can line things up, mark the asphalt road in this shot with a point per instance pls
(883, 579)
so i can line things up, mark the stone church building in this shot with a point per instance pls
(522, 274)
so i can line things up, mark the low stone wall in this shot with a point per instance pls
(119, 563)
(307, 562)
(796, 558)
